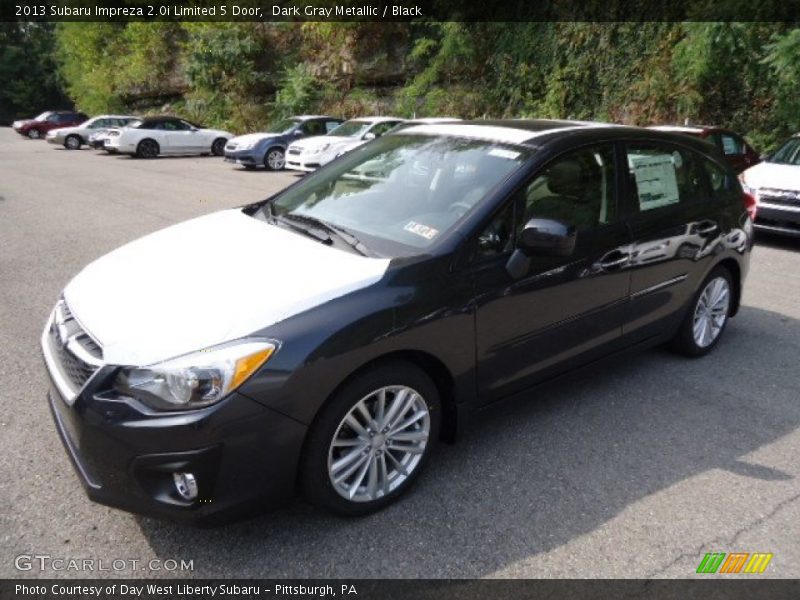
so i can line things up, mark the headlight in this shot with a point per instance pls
(195, 380)
(246, 145)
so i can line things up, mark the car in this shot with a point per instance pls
(422, 121)
(38, 127)
(156, 136)
(311, 153)
(775, 185)
(739, 154)
(269, 148)
(72, 138)
(406, 287)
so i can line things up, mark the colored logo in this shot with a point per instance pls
(735, 562)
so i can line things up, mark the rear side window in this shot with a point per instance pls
(331, 125)
(314, 128)
(663, 176)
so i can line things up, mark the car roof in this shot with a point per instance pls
(537, 132)
(309, 117)
(375, 119)
(690, 129)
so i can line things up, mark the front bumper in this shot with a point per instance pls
(243, 157)
(54, 139)
(303, 162)
(243, 455)
(783, 219)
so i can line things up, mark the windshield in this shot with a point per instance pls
(42, 116)
(788, 154)
(282, 126)
(351, 128)
(401, 193)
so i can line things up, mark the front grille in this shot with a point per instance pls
(73, 352)
(230, 147)
(781, 197)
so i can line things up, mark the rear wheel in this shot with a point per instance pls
(707, 316)
(275, 159)
(218, 147)
(34, 134)
(372, 439)
(73, 142)
(148, 149)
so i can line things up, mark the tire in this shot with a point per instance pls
(218, 147)
(365, 460)
(73, 142)
(148, 149)
(275, 159)
(707, 316)
(34, 134)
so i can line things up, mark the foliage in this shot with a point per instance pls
(243, 75)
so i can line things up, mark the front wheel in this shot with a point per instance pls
(707, 316)
(73, 142)
(275, 159)
(218, 147)
(34, 134)
(372, 439)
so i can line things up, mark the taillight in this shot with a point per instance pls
(750, 204)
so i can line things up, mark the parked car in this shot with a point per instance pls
(156, 136)
(97, 139)
(329, 334)
(269, 148)
(739, 154)
(775, 184)
(311, 153)
(39, 126)
(72, 138)
(422, 121)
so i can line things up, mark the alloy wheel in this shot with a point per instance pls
(276, 160)
(711, 312)
(379, 443)
(73, 143)
(34, 134)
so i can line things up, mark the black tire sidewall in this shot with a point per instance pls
(314, 479)
(684, 341)
(144, 143)
(72, 137)
(221, 143)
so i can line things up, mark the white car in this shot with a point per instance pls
(311, 153)
(775, 185)
(72, 138)
(155, 136)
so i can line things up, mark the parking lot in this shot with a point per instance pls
(636, 470)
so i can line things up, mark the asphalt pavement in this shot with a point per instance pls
(636, 470)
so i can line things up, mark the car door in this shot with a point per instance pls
(676, 228)
(563, 311)
(183, 138)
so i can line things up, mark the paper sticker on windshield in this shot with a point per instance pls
(655, 180)
(503, 153)
(422, 230)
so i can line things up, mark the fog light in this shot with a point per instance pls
(186, 485)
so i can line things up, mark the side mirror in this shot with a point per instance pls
(297, 132)
(543, 237)
(370, 136)
(547, 237)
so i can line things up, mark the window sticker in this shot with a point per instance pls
(655, 180)
(503, 153)
(422, 230)
(729, 145)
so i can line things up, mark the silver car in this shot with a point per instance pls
(72, 138)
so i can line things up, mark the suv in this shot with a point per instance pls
(269, 148)
(739, 154)
(775, 184)
(37, 127)
(380, 302)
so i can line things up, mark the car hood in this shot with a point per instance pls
(253, 138)
(773, 175)
(207, 281)
(318, 140)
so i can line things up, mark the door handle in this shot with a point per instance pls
(706, 228)
(615, 259)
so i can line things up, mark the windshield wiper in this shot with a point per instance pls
(343, 234)
(317, 234)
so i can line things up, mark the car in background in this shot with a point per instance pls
(269, 148)
(38, 127)
(402, 303)
(739, 154)
(72, 138)
(775, 185)
(157, 136)
(311, 153)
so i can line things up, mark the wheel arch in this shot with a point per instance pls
(736, 275)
